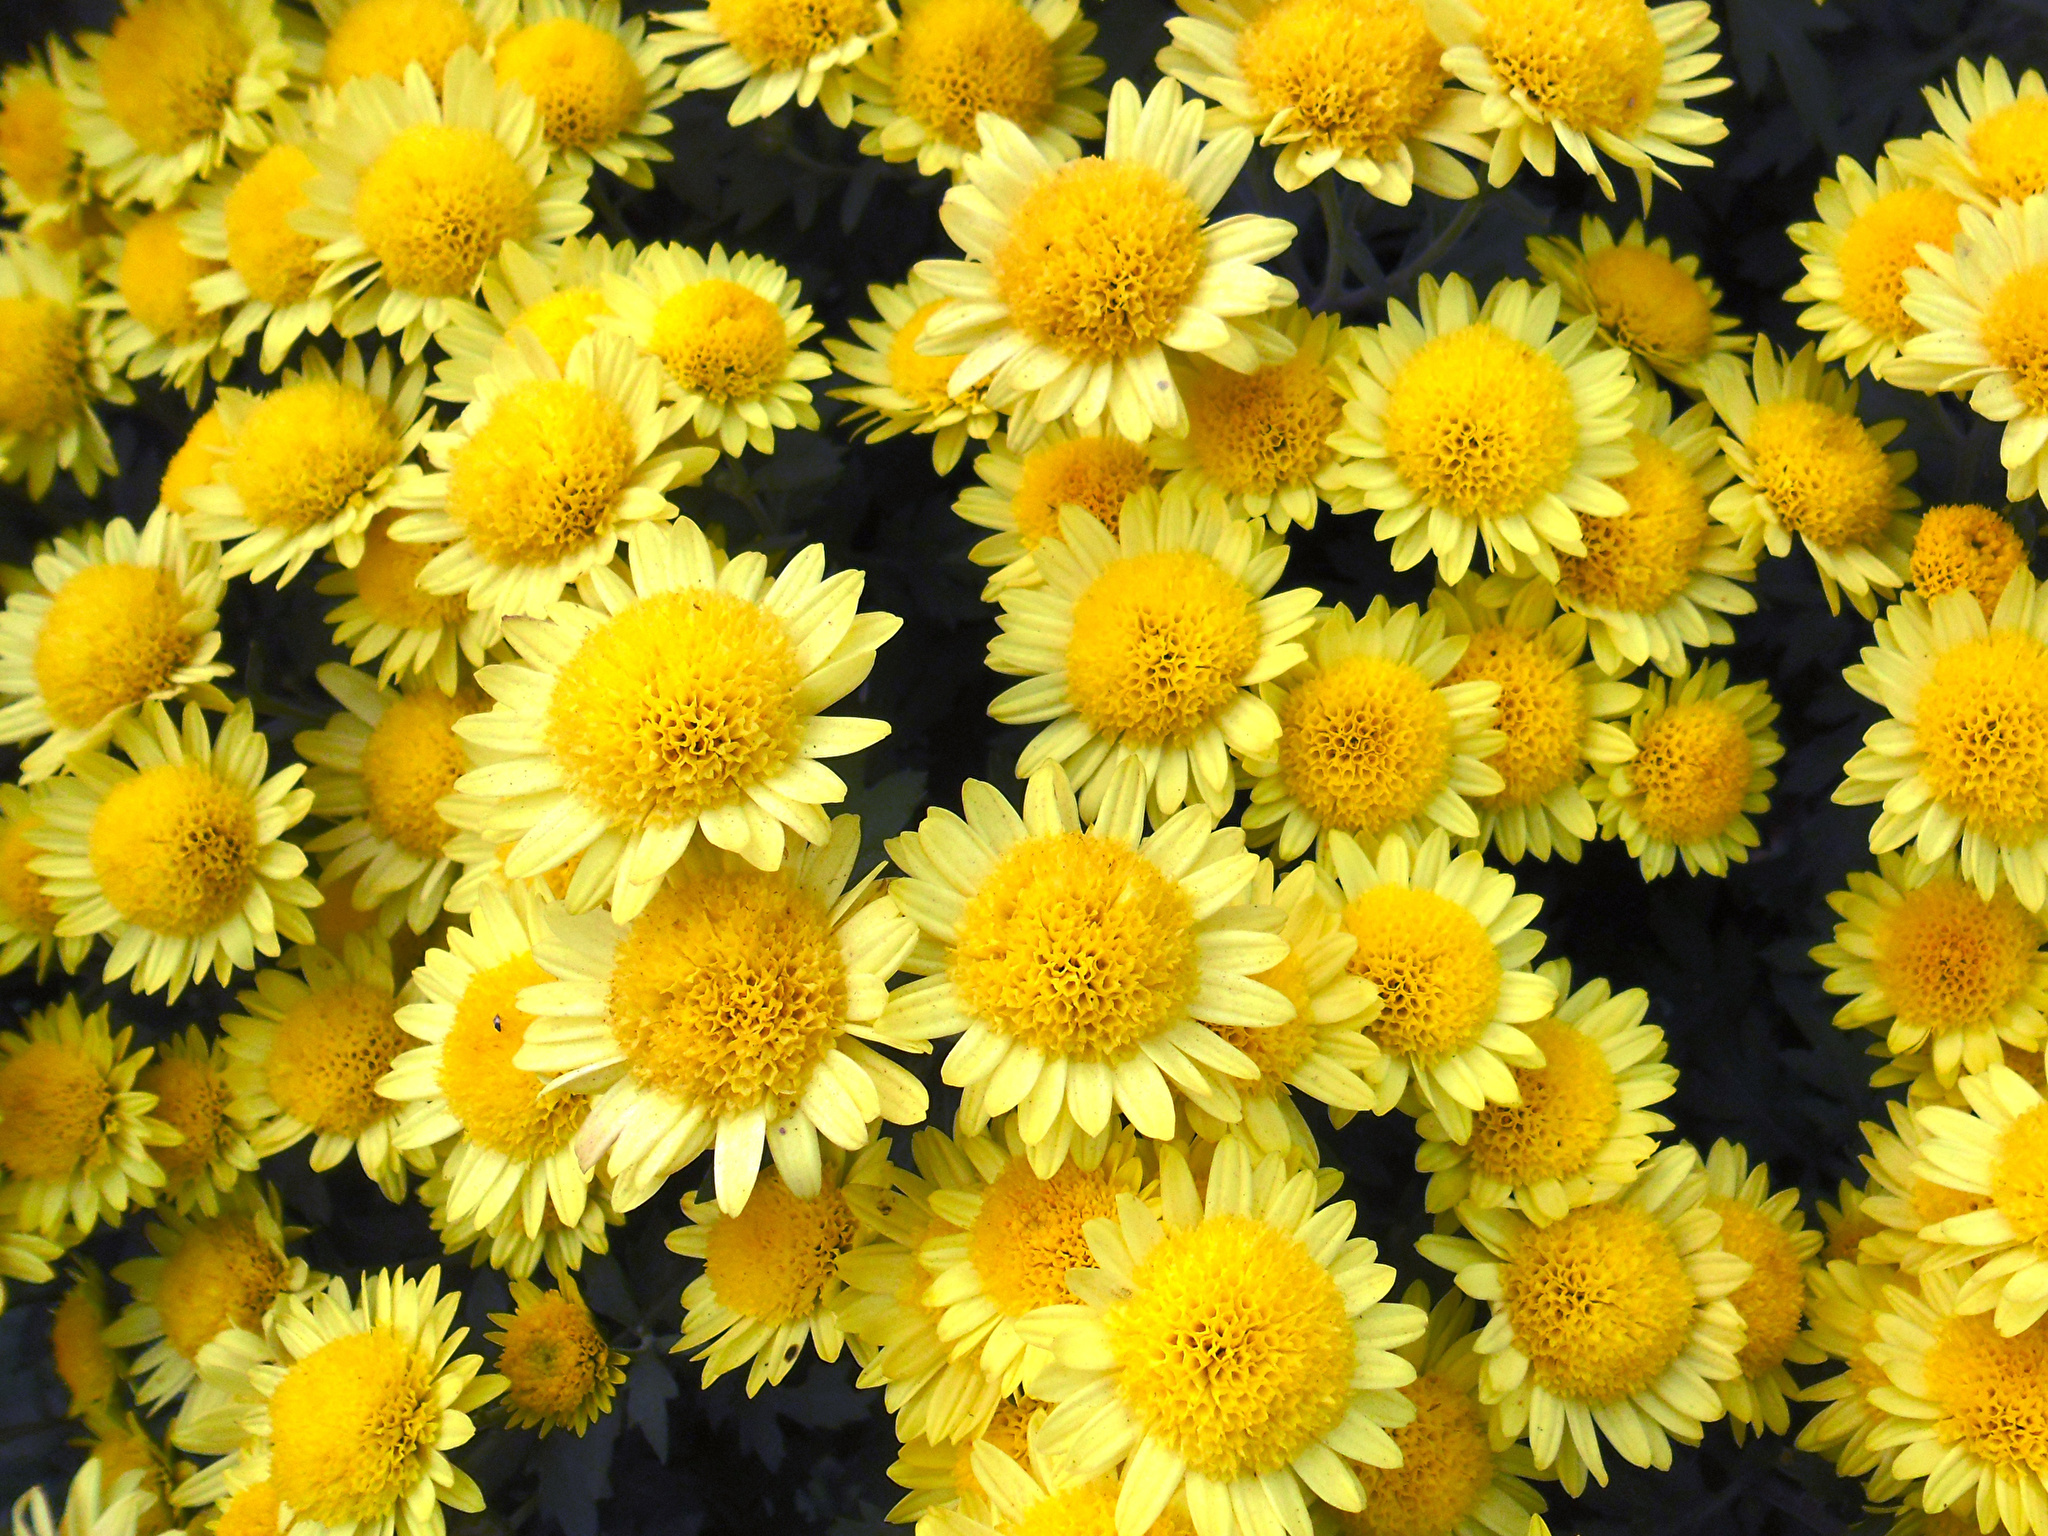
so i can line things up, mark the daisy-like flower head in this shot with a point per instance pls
(1924, 1084)
(413, 192)
(122, 1448)
(559, 1371)
(1996, 1150)
(899, 389)
(921, 90)
(1655, 306)
(728, 333)
(1962, 762)
(777, 51)
(543, 472)
(512, 1162)
(1843, 1300)
(1024, 1489)
(1965, 548)
(556, 295)
(1013, 908)
(171, 88)
(28, 918)
(1700, 770)
(1473, 423)
(1582, 1128)
(1989, 146)
(155, 327)
(1447, 943)
(1614, 77)
(178, 854)
(1858, 251)
(53, 368)
(194, 462)
(730, 1016)
(42, 178)
(682, 698)
(508, 1248)
(1083, 274)
(306, 467)
(1554, 712)
(1935, 966)
(411, 634)
(1354, 86)
(1375, 736)
(1614, 1322)
(1233, 1346)
(189, 1079)
(96, 1504)
(360, 1402)
(382, 38)
(1769, 1232)
(85, 1361)
(771, 1278)
(238, 1487)
(1903, 1200)
(1023, 490)
(942, 1476)
(207, 1274)
(1147, 646)
(116, 618)
(307, 1058)
(1258, 443)
(77, 1137)
(598, 81)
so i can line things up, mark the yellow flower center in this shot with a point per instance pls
(1691, 772)
(1446, 1467)
(2019, 1176)
(1822, 472)
(720, 340)
(2010, 149)
(1641, 560)
(114, 636)
(1593, 65)
(35, 151)
(1028, 1233)
(1991, 1393)
(437, 203)
(553, 1358)
(1481, 423)
(1277, 1050)
(564, 318)
(222, 1274)
(1364, 75)
(349, 1425)
(1772, 1300)
(1965, 548)
(1364, 744)
(192, 1100)
(956, 59)
(279, 264)
(174, 849)
(1087, 1509)
(1437, 971)
(1934, 1202)
(54, 1104)
(775, 35)
(582, 78)
(41, 355)
(304, 453)
(1097, 474)
(1881, 244)
(500, 1106)
(86, 1366)
(1845, 1237)
(1947, 959)
(924, 381)
(117, 1452)
(1234, 1348)
(2014, 330)
(24, 904)
(1982, 730)
(168, 71)
(541, 477)
(155, 276)
(771, 1261)
(412, 759)
(330, 1048)
(1102, 257)
(252, 1512)
(1161, 643)
(1599, 1302)
(1076, 946)
(1649, 304)
(1542, 711)
(194, 462)
(381, 37)
(1568, 1109)
(676, 705)
(1260, 431)
(387, 582)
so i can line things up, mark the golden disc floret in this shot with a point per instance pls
(2009, 150)
(1949, 959)
(787, 34)
(1772, 1300)
(155, 275)
(192, 1100)
(541, 477)
(720, 339)
(1991, 1392)
(35, 151)
(771, 1261)
(956, 59)
(552, 1357)
(1364, 75)
(1437, 971)
(347, 1422)
(304, 451)
(224, 1273)
(437, 203)
(1882, 243)
(332, 1045)
(1542, 710)
(1161, 643)
(279, 264)
(1593, 65)
(1028, 1232)
(387, 583)
(53, 1105)
(501, 1107)
(2019, 1176)
(1259, 431)
(114, 636)
(1096, 473)
(174, 848)
(1446, 1466)
(41, 384)
(168, 71)
(1648, 303)
(2014, 328)
(1365, 744)
(1640, 561)
(1567, 1111)
(1982, 731)
(1965, 547)
(1692, 770)
(381, 37)
(581, 77)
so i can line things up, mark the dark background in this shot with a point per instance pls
(1724, 961)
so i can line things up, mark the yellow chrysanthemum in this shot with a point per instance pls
(1901, 1199)
(96, 1504)
(507, 1247)
(171, 87)
(1989, 146)
(1611, 77)
(1027, 1490)
(53, 369)
(1147, 646)
(1023, 490)
(122, 1447)
(1768, 1231)
(189, 1079)
(1614, 1322)
(557, 295)
(598, 81)
(178, 855)
(86, 1361)
(1083, 274)
(412, 634)
(1474, 423)
(1996, 1151)
(1844, 1299)
(305, 468)
(28, 918)
(194, 462)
(683, 698)
(1699, 772)
(899, 389)
(921, 89)
(238, 1487)
(25, 1256)
(1376, 735)
(777, 51)
(1924, 1084)
(1965, 548)
(559, 1371)
(1657, 307)
(384, 37)
(116, 618)
(941, 1476)
(1962, 762)
(413, 192)
(42, 176)
(155, 327)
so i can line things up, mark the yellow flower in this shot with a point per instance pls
(239, 1489)
(28, 918)
(53, 368)
(85, 1360)
(1844, 1300)
(559, 1372)
(1967, 547)
(382, 37)
(122, 1448)
(777, 51)
(1047, 1497)
(1476, 422)
(194, 462)
(897, 388)
(557, 295)
(1989, 146)
(155, 326)
(598, 83)
(189, 1079)
(1902, 1200)
(1700, 770)
(1146, 647)
(24, 1256)
(1996, 1151)
(1083, 274)
(42, 177)
(388, 618)
(941, 1476)
(508, 1247)
(1769, 1232)
(96, 1504)
(116, 618)
(1653, 305)
(1023, 490)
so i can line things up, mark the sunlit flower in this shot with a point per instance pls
(1023, 490)
(387, 618)
(383, 37)
(28, 918)
(53, 368)
(777, 51)
(189, 1079)
(598, 81)
(559, 1371)
(899, 389)
(1997, 1151)
(1989, 146)
(1657, 307)
(86, 1361)
(42, 177)
(1769, 1231)
(556, 295)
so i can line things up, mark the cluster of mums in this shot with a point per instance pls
(553, 906)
